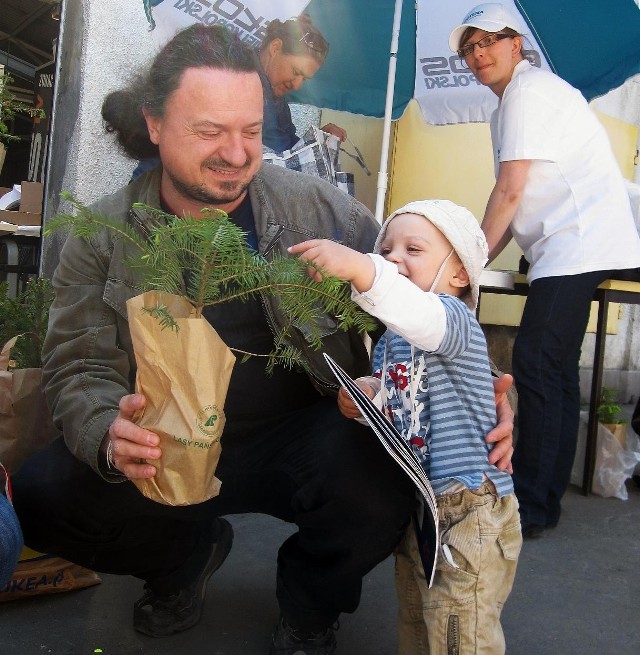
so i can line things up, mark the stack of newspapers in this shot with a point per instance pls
(426, 517)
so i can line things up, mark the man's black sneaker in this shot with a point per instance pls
(159, 616)
(288, 641)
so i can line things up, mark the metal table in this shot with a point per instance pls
(609, 291)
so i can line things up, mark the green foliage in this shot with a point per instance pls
(608, 410)
(222, 268)
(26, 316)
(10, 106)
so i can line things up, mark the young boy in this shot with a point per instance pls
(432, 371)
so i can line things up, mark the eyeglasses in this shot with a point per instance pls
(484, 42)
(307, 39)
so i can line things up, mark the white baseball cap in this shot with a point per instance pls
(490, 17)
(461, 229)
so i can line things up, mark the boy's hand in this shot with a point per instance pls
(347, 406)
(334, 258)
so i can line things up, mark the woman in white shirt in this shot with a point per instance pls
(560, 194)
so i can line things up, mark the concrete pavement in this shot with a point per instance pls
(577, 591)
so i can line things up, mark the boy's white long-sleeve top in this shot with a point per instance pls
(435, 379)
(407, 310)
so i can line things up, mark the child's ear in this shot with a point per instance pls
(460, 277)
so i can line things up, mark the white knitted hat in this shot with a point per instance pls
(461, 229)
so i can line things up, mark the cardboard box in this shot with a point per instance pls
(30, 212)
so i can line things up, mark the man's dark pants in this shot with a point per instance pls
(314, 468)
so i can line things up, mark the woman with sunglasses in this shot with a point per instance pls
(560, 194)
(291, 52)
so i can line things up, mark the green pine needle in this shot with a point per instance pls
(162, 315)
(221, 268)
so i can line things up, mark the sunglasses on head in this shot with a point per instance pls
(307, 39)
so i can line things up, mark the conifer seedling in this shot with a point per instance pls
(206, 259)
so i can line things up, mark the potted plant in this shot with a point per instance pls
(25, 317)
(610, 414)
(184, 265)
(25, 424)
(10, 107)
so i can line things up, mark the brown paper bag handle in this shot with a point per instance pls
(6, 350)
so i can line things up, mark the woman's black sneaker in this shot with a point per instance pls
(289, 641)
(531, 530)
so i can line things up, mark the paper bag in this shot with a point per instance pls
(184, 376)
(25, 422)
(316, 153)
(37, 574)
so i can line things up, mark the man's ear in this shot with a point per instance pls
(154, 125)
(459, 277)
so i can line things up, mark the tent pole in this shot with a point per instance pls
(386, 130)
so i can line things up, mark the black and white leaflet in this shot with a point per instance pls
(426, 517)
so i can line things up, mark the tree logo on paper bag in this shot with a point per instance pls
(209, 422)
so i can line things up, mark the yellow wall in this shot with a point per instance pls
(441, 161)
(453, 162)
(366, 133)
(456, 162)
(624, 138)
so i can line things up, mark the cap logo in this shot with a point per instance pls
(473, 14)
